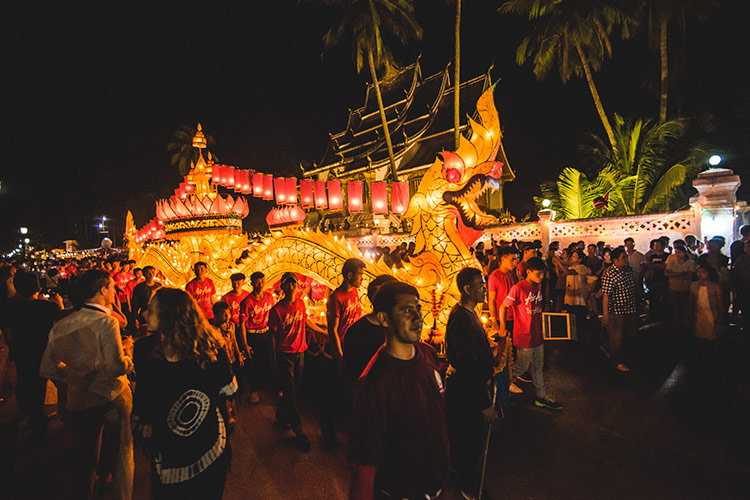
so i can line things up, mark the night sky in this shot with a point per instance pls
(96, 94)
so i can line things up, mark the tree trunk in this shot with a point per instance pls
(595, 95)
(373, 73)
(664, 68)
(457, 80)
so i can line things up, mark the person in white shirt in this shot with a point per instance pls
(637, 259)
(85, 352)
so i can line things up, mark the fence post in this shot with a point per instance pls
(545, 217)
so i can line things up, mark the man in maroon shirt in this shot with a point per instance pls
(286, 324)
(202, 289)
(399, 439)
(343, 310)
(254, 337)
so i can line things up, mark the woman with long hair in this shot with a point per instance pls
(182, 374)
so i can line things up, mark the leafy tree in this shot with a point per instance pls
(572, 36)
(370, 23)
(181, 150)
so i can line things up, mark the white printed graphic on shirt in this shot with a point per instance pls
(188, 412)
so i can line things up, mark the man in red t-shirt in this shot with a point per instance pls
(526, 301)
(500, 282)
(202, 289)
(528, 251)
(286, 326)
(399, 439)
(235, 297)
(343, 310)
(254, 337)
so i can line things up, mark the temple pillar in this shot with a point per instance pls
(714, 205)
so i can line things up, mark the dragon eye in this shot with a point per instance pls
(453, 166)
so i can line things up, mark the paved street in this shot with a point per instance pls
(662, 431)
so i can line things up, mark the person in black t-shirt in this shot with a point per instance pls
(26, 322)
(399, 440)
(468, 400)
(183, 372)
(364, 338)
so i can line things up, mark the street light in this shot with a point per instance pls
(714, 160)
(546, 203)
(24, 230)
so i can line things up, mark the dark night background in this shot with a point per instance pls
(95, 95)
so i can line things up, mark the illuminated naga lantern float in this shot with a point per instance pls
(199, 224)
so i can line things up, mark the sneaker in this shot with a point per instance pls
(524, 378)
(515, 389)
(301, 442)
(547, 403)
(623, 367)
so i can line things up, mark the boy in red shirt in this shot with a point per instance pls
(343, 310)
(286, 324)
(526, 301)
(202, 289)
(253, 336)
(235, 297)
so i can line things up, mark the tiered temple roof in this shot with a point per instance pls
(419, 112)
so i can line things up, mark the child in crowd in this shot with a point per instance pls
(525, 299)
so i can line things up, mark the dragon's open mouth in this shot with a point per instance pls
(465, 201)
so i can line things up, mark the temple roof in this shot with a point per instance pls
(419, 112)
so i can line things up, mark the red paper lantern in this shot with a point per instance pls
(306, 193)
(258, 185)
(229, 176)
(279, 184)
(216, 174)
(242, 181)
(355, 196)
(399, 197)
(268, 187)
(379, 197)
(320, 195)
(335, 199)
(291, 191)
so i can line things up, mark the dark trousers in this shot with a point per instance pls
(334, 400)
(259, 366)
(208, 485)
(290, 366)
(466, 433)
(30, 392)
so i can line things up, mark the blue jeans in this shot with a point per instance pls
(533, 356)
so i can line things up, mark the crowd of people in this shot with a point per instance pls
(135, 361)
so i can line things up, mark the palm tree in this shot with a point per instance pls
(367, 21)
(457, 78)
(647, 167)
(647, 172)
(181, 150)
(659, 15)
(573, 35)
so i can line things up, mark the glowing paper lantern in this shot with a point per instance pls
(335, 199)
(320, 195)
(279, 184)
(306, 193)
(268, 187)
(242, 181)
(399, 197)
(355, 196)
(258, 185)
(228, 176)
(216, 174)
(379, 197)
(291, 190)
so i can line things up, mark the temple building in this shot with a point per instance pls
(419, 112)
